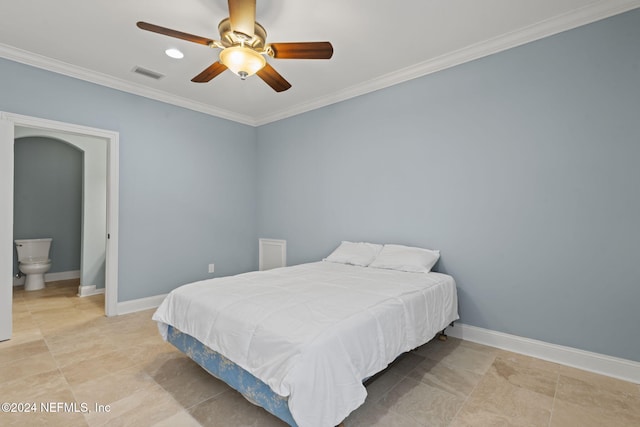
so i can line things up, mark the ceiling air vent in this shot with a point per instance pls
(147, 73)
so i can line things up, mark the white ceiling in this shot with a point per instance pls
(377, 43)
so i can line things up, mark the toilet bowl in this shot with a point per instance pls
(33, 261)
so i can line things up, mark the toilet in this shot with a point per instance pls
(33, 261)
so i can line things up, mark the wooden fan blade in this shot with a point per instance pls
(209, 73)
(242, 14)
(302, 50)
(173, 33)
(273, 78)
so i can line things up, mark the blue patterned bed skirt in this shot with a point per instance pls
(253, 389)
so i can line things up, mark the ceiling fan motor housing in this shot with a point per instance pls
(229, 38)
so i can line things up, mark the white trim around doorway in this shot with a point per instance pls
(112, 138)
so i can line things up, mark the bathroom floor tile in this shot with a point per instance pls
(45, 304)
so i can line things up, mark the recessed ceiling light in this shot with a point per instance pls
(174, 53)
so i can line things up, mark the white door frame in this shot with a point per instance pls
(6, 198)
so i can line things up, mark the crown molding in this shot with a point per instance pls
(575, 18)
(91, 76)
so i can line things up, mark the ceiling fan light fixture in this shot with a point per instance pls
(242, 61)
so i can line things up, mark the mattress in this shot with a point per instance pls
(313, 332)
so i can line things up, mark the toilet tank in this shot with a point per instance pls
(33, 249)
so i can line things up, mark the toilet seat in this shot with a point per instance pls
(32, 261)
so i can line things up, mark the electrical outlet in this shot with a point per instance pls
(211, 268)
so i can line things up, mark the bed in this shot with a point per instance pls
(300, 340)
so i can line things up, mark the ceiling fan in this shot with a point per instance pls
(243, 44)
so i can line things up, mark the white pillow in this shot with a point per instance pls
(355, 253)
(406, 258)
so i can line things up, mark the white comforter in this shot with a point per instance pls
(313, 332)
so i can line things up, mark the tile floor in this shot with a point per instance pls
(64, 350)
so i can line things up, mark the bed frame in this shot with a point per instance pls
(251, 388)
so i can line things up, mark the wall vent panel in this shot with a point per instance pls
(272, 253)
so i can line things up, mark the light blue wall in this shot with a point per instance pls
(48, 198)
(187, 180)
(522, 168)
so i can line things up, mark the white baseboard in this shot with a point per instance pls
(623, 369)
(88, 290)
(62, 275)
(140, 304)
(51, 277)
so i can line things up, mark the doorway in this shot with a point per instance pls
(10, 126)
